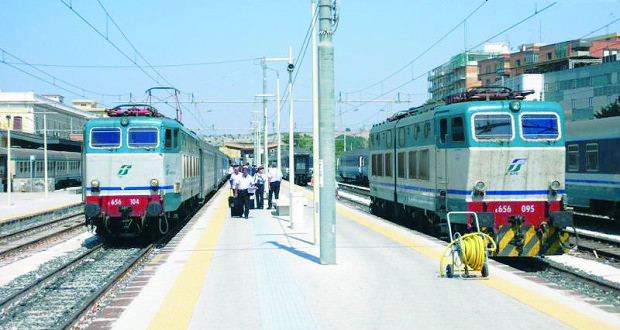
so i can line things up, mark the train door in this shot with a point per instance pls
(202, 172)
(441, 169)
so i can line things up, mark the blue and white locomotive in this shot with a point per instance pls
(593, 166)
(144, 171)
(486, 152)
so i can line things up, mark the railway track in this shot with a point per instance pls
(58, 298)
(21, 239)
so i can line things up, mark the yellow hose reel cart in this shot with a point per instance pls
(469, 252)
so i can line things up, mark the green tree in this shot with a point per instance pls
(610, 110)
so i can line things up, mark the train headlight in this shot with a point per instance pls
(154, 183)
(94, 184)
(555, 185)
(515, 106)
(480, 186)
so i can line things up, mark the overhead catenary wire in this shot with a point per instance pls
(424, 52)
(54, 80)
(134, 67)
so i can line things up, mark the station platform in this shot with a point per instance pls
(26, 204)
(236, 273)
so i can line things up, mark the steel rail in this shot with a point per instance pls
(25, 292)
(28, 243)
(39, 226)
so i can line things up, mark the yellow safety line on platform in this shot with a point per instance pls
(561, 312)
(177, 309)
(37, 211)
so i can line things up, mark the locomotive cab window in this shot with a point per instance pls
(573, 157)
(492, 126)
(540, 126)
(443, 130)
(143, 137)
(456, 127)
(168, 138)
(592, 157)
(105, 137)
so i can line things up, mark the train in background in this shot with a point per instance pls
(593, 166)
(485, 151)
(144, 172)
(352, 167)
(27, 166)
(303, 166)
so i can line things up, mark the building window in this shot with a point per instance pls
(590, 101)
(573, 102)
(17, 123)
(549, 56)
(488, 69)
(573, 157)
(518, 62)
(592, 157)
(488, 82)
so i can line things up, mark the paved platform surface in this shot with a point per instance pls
(27, 204)
(233, 273)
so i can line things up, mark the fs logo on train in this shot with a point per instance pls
(123, 170)
(515, 167)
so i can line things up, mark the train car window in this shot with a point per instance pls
(424, 165)
(175, 138)
(388, 164)
(380, 165)
(401, 165)
(168, 138)
(493, 126)
(540, 126)
(105, 137)
(401, 137)
(143, 137)
(573, 157)
(443, 129)
(592, 157)
(413, 164)
(456, 127)
(374, 164)
(390, 138)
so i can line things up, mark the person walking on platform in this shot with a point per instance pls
(243, 183)
(275, 177)
(259, 182)
(234, 176)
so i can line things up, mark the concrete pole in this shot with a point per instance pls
(291, 131)
(279, 157)
(8, 160)
(265, 126)
(327, 137)
(45, 153)
(316, 216)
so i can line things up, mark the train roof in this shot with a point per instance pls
(24, 153)
(355, 153)
(591, 129)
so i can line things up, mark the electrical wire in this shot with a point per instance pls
(424, 52)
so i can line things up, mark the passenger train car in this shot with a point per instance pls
(27, 168)
(142, 169)
(303, 166)
(502, 159)
(593, 166)
(352, 166)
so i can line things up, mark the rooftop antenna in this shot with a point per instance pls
(174, 92)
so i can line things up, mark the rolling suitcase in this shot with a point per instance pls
(235, 210)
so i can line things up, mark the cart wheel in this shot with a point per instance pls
(485, 270)
(449, 271)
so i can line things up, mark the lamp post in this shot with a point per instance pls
(8, 159)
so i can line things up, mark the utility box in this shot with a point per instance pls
(297, 210)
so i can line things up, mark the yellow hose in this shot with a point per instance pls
(473, 247)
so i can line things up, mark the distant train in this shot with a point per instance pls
(352, 166)
(303, 166)
(486, 151)
(27, 168)
(593, 166)
(144, 172)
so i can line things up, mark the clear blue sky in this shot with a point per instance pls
(373, 39)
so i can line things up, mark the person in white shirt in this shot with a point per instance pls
(243, 183)
(275, 177)
(259, 181)
(234, 177)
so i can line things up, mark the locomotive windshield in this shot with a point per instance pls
(493, 126)
(105, 137)
(143, 137)
(540, 126)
